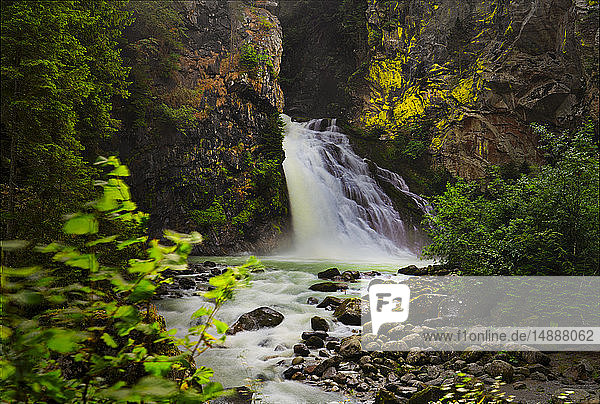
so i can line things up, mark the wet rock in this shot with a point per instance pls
(413, 340)
(332, 345)
(328, 287)
(209, 264)
(289, 372)
(263, 317)
(349, 312)
(350, 346)
(519, 386)
(334, 361)
(186, 283)
(323, 353)
(500, 368)
(330, 273)
(279, 348)
(474, 369)
(330, 303)
(412, 270)
(307, 334)
(350, 276)
(319, 324)
(301, 350)
(427, 395)
(315, 342)
(297, 360)
(534, 356)
(416, 357)
(312, 300)
(329, 373)
(298, 376)
(538, 376)
(582, 371)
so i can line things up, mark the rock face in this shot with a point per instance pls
(201, 133)
(474, 73)
(481, 72)
(262, 317)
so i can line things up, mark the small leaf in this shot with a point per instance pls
(202, 311)
(203, 374)
(64, 341)
(221, 326)
(120, 171)
(10, 245)
(108, 340)
(123, 244)
(158, 368)
(101, 241)
(143, 291)
(81, 224)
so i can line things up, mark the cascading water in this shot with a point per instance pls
(338, 209)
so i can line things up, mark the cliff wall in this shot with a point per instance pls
(201, 129)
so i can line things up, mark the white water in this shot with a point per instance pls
(338, 209)
(250, 355)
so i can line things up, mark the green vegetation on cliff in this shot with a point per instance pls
(545, 223)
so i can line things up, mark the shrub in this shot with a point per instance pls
(544, 223)
(100, 339)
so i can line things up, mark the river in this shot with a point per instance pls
(250, 355)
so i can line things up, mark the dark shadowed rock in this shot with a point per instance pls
(301, 350)
(320, 334)
(328, 287)
(312, 300)
(315, 342)
(319, 324)
(263, 317)
(330, 303)
(186, 283)
(329, 273)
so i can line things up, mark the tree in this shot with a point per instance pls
(60, 69)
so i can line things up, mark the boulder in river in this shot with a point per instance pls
(263, 317)
(350, 346)
(301, 350)
(328, 287)
(330, 303)
(330, 273)
(319, 324)
(349, 312)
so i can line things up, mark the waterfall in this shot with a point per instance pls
(338, 209)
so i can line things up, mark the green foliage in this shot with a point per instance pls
(60, 70)
(181, 118)
(544, 224)
(253, 61)
(213, 216)
(100, 340)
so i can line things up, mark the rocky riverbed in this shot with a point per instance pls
(417, 374)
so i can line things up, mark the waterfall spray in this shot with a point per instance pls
(338, 209)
